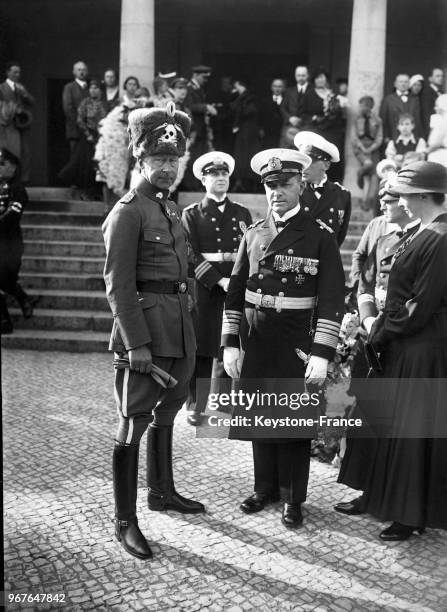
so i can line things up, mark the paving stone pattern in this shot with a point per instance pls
(57, 433)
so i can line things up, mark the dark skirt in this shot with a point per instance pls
(407, 480)
(80, 169)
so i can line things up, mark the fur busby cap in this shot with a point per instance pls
(158, 131)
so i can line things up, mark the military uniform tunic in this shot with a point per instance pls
(145, 242)
(333, 208)
(302, 261)
(214, 237)
(373, 283)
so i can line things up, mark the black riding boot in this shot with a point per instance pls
(125, 478)
(160, 480)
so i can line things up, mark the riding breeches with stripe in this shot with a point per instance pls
(141, 400)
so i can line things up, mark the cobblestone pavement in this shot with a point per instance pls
(57, 435)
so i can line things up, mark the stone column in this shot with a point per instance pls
(137, 51)
(366, 70)
(442, 20)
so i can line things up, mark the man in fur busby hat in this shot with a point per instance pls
(147, 288)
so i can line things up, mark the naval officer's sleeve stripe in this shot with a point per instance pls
(328, 325)
(231, 322)
(202, 268)
(326, 339)
(363, 298)
(327, 332)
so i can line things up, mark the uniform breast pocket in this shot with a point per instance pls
(155, 244)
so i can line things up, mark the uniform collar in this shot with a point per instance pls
(146, 188)
(287, 215)
(321, 183)
(213, 198)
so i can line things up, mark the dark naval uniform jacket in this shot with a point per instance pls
(286, 291)
(214, 238)
(373, 281)
(145, 242)
(333, 208)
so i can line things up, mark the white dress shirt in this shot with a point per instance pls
(286, 216)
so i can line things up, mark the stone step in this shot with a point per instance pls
(66, 206)
(62, 281)
(75, 320)
(57, 340)
(67, 299)
(64, 248)
(73, 233)
(50, 264)
(84, 218)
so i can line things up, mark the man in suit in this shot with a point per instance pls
(397, 103)
(429, 96)
(286, 292)
(291, 105)
(72, 95)
(215, 227)
(16, 118)
(270, 117)
(146, 283)
(329, 203)
(201, 113)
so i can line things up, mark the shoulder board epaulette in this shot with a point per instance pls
(255, 224)
(340, 185)
(191, 206)
(323, 225)
(128, 197)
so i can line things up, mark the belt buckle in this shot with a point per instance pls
(268, 301)
(226, 257)
(182, 287)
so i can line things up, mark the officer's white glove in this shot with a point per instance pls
(316, 371)
(232, 361)
(224, 282)
(368, 323)
(211, 110)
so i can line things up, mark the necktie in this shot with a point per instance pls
(367, 127)
(280, 224)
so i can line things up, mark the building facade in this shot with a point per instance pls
(260, 38)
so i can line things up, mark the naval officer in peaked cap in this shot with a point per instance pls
(330, 202)
(214, 227)
(286, 292)
(146, 283)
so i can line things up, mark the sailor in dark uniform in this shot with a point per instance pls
(286, 292)
(215, 227)
(153, 336)
(330, 202)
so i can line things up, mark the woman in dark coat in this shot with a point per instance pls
(407, 483)
(13, 198)
(247, 142)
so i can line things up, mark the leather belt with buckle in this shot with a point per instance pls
(162, 286)
(279, 302)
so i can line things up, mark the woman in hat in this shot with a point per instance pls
(407, 482)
